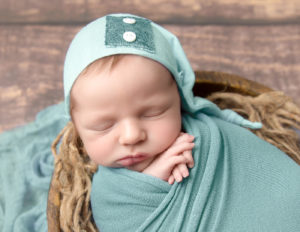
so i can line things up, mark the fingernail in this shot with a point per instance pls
(179, 180)
(186, 174)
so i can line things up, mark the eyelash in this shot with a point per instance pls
(147, 115)
(155, 114)
(105, 128)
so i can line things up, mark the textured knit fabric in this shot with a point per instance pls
(239, 183)
(26, 166)
(115, 29)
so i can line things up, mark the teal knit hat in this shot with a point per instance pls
(125, 34)
(129, 34)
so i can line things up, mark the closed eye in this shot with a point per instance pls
(103, 127)
(154, 114)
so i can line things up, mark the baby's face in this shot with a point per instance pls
(128, 115)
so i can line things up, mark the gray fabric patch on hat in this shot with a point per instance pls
(129, 32)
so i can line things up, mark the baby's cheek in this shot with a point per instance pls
(97, 151)
(166, 133)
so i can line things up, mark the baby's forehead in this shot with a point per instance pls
(133, 80)
(134, 66)
(109, 64)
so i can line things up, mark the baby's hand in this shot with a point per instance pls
(181, 170)
(173, 163)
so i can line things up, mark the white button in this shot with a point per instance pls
(129, 20)
(129, 36)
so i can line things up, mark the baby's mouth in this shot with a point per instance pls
(132, 159)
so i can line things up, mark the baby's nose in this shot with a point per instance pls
(132, 132)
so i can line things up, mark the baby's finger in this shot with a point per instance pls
(175, 160)
(177, 175)
(171, 179)
(190, 160)
(179, 149)
(183, 170)
(184, 137)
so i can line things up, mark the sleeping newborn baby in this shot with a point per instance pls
(168, 160)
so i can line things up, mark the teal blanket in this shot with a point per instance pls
(26, 166)
(239, 183)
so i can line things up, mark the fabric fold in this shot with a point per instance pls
(227, 190)
(26, 168)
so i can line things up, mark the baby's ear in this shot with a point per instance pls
(72, 106)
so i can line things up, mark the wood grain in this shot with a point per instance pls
(166, 11)
(31, 64)
(32, 57)
(266, 54)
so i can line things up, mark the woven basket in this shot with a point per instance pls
(206, 83)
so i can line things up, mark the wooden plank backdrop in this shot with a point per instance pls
(259, 40)
(167, 11)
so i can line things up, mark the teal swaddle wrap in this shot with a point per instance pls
(239, 182)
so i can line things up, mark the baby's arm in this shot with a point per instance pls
(173, 163)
